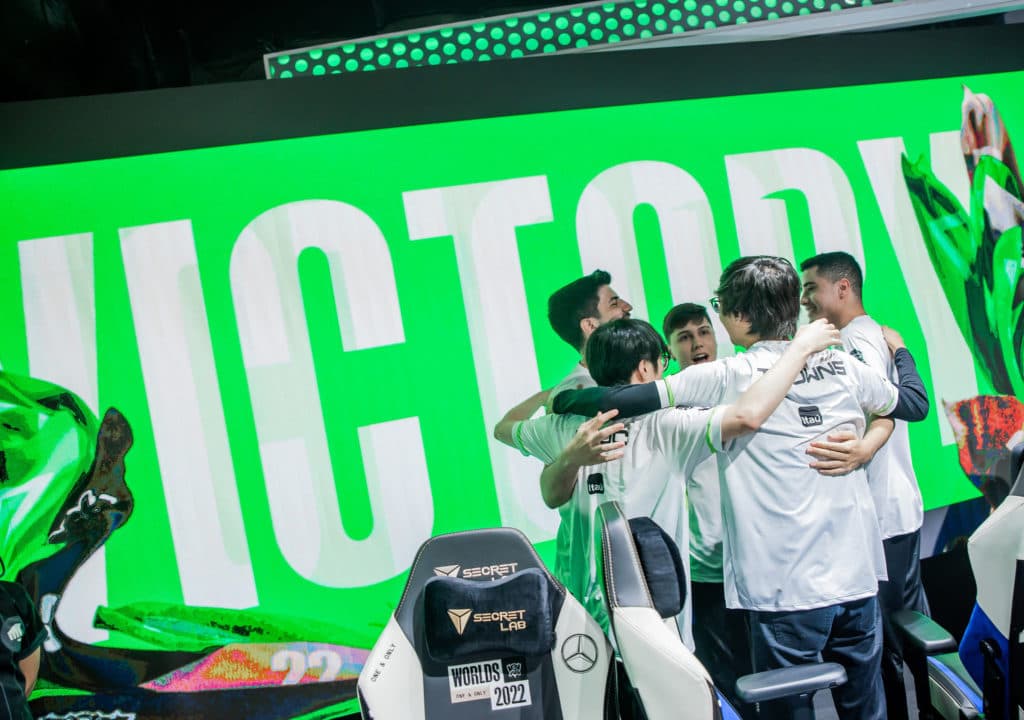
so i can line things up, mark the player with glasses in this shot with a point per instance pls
(643, 462)
(802, 552)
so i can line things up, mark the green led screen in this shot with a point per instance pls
(312, 338)
(538, 33)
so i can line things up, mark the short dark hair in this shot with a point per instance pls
(681, 316)
(836, 266)
(570, 304)
(764, 289)
(616, 349)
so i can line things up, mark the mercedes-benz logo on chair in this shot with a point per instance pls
(579, 653)
(459, 619)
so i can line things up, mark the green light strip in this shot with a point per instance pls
(516, 36)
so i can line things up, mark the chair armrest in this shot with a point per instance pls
(922, 633)
(786, 682)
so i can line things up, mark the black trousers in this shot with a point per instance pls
(903, 590)
(721, 638)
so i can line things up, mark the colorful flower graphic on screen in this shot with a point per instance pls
(977, 255)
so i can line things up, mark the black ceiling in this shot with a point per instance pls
(60, 48)
(56, 48)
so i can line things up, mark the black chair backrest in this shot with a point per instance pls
(474, 555)
(642, 566)
(483, 630)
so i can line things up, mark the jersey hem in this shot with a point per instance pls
(810, 605)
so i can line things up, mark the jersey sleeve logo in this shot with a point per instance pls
(857, 354)
(810, 415)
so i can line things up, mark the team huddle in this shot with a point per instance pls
(784, 471)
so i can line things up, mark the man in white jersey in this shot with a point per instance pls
(832, 288)
(575, 311)
(802, 552)
(646, 465)
(720, 635)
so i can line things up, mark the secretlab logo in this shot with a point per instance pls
(459, 618)
(493, 572)
(508, 620)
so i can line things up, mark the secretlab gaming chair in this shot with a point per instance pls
(484, 631)
(645, 589)
(986, 673)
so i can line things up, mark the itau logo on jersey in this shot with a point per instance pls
(810, 415)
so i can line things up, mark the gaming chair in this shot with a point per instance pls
(484, 631)
(986, 673)
(645, 589)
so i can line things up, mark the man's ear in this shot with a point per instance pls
(742, 317)
(843, 288)
(588, 325)
(646, 371)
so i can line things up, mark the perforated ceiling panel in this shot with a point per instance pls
(539, 33)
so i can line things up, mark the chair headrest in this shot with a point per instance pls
(662, 565)
(642, 565)
(474, 556)
(465, 620)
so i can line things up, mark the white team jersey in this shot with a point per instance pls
(579, 378)
(891, 472)
(704, 499)
(662, 448)
(794, 539)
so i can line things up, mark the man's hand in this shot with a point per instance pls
(590, 446)
(817, 336)
(842, 453)
(520, 413)
(893, 339)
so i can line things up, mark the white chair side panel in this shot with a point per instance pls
(391, 681)
(580, 660)
(672, 683)
(994, 549)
